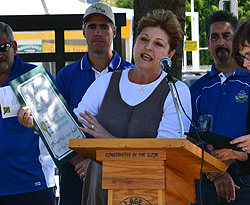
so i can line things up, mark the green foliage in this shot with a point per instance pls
(109, 2)
(205, 7)
(129, 4)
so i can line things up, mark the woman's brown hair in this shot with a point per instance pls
(165, 20)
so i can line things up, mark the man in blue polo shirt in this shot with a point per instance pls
(73, 81)
(26, 168)
(223, 93)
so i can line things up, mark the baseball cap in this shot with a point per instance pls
(99, 8)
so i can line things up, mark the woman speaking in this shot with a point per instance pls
(135, 103)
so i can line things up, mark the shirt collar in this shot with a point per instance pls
(238, 72)
(113, 65)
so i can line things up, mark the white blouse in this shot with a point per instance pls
(131, 94)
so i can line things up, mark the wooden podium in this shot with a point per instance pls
(148, 171)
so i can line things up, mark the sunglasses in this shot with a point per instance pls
(6, 46)
(241, 58)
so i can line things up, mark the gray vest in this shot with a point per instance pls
(123, 121)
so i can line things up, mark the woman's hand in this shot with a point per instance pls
(25, 118)
(93, 127)
(242, 142)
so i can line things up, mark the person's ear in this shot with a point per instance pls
(14, 46)
(114, 32)
(171, 54)
(83, 32)
(208, 44)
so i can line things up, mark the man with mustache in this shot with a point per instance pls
(223, 94)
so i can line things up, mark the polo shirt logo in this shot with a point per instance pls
(241, 96)
(38, 184)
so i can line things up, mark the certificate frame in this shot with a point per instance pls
(54, 120)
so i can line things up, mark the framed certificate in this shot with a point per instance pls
(54, 120)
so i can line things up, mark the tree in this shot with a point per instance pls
(178, 7)
(109, 2)
(129, 4)
(203, 7)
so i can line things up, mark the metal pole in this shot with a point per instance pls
(171, 86)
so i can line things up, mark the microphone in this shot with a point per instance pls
(165, 64)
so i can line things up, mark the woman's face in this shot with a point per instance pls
(151, 45)
(245, 52)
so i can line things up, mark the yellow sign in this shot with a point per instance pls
(50, 48)
(190, 45)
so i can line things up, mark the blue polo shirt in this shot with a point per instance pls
(226, 99)
(24, 160)
(73, 81)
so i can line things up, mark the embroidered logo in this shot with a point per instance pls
(98, 8)
(135, 201)
(38, 184)
(241, 96)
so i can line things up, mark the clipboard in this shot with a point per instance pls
(217, 140)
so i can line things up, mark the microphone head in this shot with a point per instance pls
(165, 63)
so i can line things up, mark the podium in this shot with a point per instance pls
(148, 171)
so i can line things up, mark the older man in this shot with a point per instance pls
(27, 170)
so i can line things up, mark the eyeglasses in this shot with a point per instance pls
(241, 58)
(6, 46)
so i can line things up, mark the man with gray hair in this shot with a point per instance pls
(27, 169)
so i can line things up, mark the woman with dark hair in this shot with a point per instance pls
(241, 46)
(241, 56)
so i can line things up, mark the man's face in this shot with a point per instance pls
(220, 41)
(7, 57)
(99, 33)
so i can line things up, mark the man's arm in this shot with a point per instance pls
(228, 154)
(226, 187)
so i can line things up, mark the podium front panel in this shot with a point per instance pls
(148, 171)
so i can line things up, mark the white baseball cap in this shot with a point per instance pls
(99, 8)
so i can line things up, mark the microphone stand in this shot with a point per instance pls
(177, 108)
